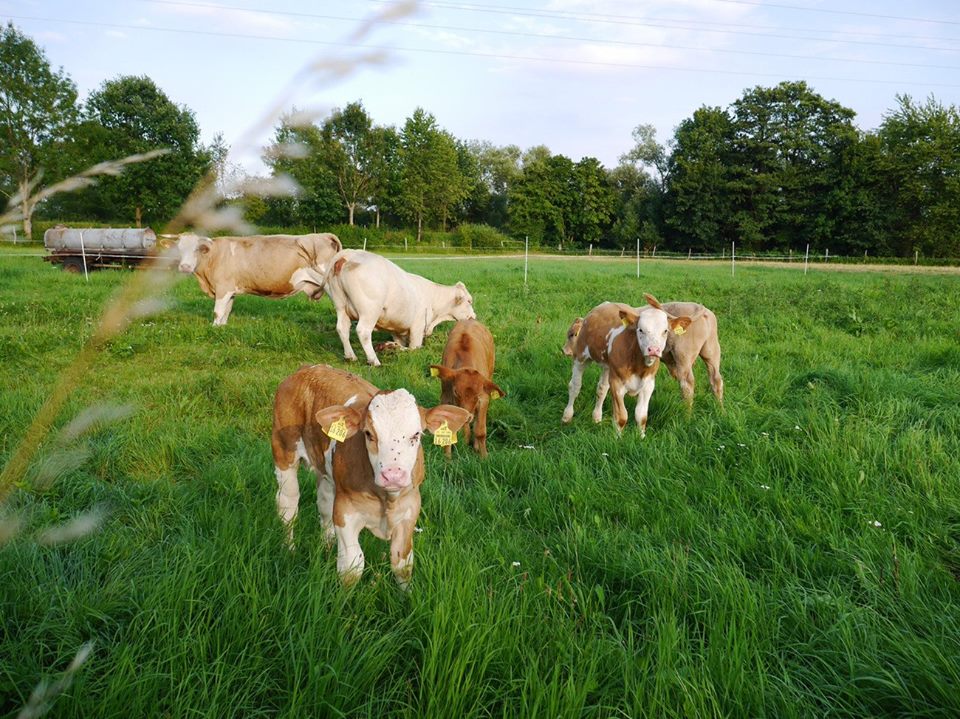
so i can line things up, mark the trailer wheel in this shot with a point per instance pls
(73, 264)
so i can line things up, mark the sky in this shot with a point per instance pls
(574, 75)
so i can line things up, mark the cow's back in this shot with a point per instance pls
(470, 344)
(703, 324)
(595, 332)
(301, 395)
(364, 281)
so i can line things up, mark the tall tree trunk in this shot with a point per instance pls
(419, 226)
(26, 209)
(378, 217)
(139, 216)
(350, 209)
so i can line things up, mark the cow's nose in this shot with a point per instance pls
(654, 351)
(393, 476)
(184, 268)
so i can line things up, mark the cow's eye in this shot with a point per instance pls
(368, 434)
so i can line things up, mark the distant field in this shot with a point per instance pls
(796, 555)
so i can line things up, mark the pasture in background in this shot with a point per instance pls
(797, 554)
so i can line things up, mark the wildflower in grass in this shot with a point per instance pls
(515, 564)
(875, 523)
(764, 486)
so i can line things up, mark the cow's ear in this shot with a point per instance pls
(204, 246)
(444, 373)
(493, 390)
(678, 325)
(628, 317)
(454, 417)
(652, 301)
(338, 422)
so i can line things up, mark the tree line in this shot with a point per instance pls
(779, 168)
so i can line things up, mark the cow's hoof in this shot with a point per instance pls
(373, 363)
(567, 416)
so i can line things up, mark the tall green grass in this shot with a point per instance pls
(796, 554)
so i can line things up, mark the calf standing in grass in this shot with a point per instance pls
(364, 447)
(699, 339)
(465, 376)
(628, 342)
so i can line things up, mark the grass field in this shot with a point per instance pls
(796, 555)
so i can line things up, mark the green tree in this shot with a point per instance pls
(591, 212)
(432, 183)
(386, 170)
(920, 145)
(38, 107)
(699, 202)
(787, 143)
(131, 115)
(499, 168)
(348, 150)
(298, 151)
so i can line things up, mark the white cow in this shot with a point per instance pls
(265, 265)
(374, 292)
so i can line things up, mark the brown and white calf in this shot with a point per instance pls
(266, 265)
(363, 444)
(628, 343)
(699, 339)
(465, 374)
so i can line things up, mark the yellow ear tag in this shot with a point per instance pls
(338, 430)
(494, 395)
(444, 436)
(624, 321)
(434, 372)
(678, 330)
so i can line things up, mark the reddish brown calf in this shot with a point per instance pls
(465, 377)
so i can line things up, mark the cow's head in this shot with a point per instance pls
(392, 425)
(653, 326)
(191, 248)
(572, 337)
(462, 303)
(470, 388)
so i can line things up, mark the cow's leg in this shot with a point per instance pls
(365, 335)
(401, 554)
(288, 495)
(687, 383)
(619, 409)
(326, 491)
(710, 354)
(343, 329)
(643, 403)
(221, 308)
(603, 386)
(576, 379)
(349, 554)
(479, 429)
(415, 337)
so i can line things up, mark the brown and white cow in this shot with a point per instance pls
(628, 343)
(266, 265)
(465, 373)
(374, 292)
(363, 444)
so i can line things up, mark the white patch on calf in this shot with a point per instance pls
(612, 335)
(397, 422)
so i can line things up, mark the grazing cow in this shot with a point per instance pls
(267, 265)
(377, 294)
(465, 377)
(364, 447)
(628, 342)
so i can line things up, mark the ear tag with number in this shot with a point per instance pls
(434, 372)
(338, 430)
(444, 436)
(678, 330)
